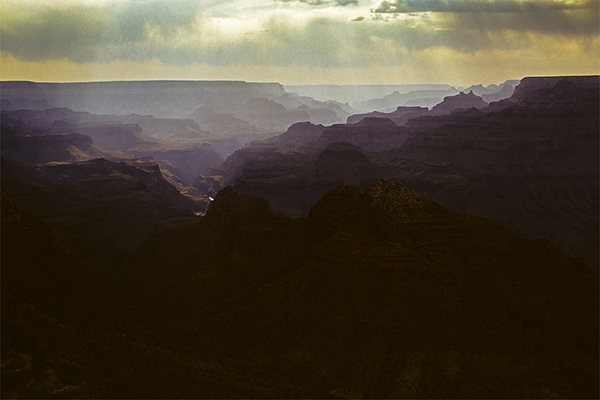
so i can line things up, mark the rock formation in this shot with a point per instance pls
(118, 137)
(462, 101)
(116, 285)
(505, 92)
(43, 149)
(166, 99)
(414, 98)
(400, 116)
(99, 211)
(367, 297)
(532, 166)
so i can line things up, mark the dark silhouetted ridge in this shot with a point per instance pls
(387, 294)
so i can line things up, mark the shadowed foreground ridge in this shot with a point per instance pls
(384, 294)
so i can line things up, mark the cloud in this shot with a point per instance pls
(236, 34)
(470, 6)
(321, 2)
(86, 32)
(469, 25)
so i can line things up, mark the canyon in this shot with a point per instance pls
(179, 239)
(528, 162)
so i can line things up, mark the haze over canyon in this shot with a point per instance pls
(227, 239)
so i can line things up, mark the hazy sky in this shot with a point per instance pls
(299, 41)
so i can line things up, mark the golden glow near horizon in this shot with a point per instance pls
(459, 42)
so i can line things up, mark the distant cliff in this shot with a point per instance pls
(400, 116)
(531, 84)
(462, 101)
(42, 149)
(159, 98)
(531, 165)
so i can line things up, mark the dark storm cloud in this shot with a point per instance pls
(320, 2)
(53, 34)
(84, 33)
(470, 6)
(183, 32)
(132, 19)
(467, 25)
(582, 23)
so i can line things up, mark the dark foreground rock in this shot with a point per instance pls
(382, 294)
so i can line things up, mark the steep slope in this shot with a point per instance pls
(450, 104)
(292, 191)
(272, 161)
(99, 211)
(191, 160)
(225, 124)
(462, 101)
(283, 152)
(367, 297)
(327, 112)
(68, 333)
(27, 104)
(531, 84)
(165, 99)
(117, 137)
(189, 149)
(415, 98)
(370, 134)
(400, 116)
(532, 167)
(295, 169)
(505, 92)
(268, 114)
(41, 149)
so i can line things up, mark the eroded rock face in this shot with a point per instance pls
(416, 97)
(25, 104)
(42, 149)
(370, 134)
(165, 99)
(285, 152)
(384, 284)
(531, 84)
(180, 142)
(400, 116)
(532, 167)
(298, 134)
(112, 137)
(294, 192)
(462, 101)
(505, 92)
(293, 154)
(99, 211)
(68, 332)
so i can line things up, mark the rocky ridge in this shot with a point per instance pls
(400, 116)
(42, 149)
(532, 165)
(368, 288)
(462, 101)
(99, 211)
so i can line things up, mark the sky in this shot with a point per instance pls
(292, 42)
